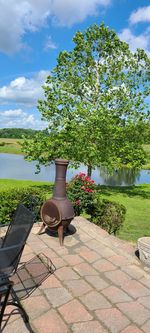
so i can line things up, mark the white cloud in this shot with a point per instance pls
(19, 17)
(141, 41)
(49, 44)
(11, 113)
(24, 91)
(19, 119)
(68, 12)
(140, 15)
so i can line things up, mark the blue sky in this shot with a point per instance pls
(33, 32)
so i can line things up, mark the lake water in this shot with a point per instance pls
(15, 167)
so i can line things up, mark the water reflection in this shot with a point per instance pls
(121, 177)
(15, 167)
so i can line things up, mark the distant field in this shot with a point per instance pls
(10, 146)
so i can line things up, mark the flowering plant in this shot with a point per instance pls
(80, 191)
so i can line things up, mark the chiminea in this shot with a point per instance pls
(57, 212)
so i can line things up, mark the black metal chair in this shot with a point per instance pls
(10, 254)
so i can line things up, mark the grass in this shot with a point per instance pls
(13, 183)
(136, 199)
(6, 184)
(10, 146)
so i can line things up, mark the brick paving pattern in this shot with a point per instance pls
(99, 285)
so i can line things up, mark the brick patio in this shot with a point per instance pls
(99, 286)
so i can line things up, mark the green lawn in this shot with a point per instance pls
(6, 184)
(136, 199)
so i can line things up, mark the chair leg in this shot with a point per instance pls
(5, 302)
(16, 302)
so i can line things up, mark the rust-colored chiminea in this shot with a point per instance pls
(57, 212)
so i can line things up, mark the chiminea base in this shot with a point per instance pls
(61, 234)
(60, 229)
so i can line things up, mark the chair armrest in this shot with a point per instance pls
(9, 259)
(8, 248)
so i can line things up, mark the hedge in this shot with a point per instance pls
(31, 197)
(109, 215)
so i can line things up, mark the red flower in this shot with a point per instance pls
(82, 174)
(78, 202)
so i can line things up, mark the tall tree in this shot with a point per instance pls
(95, 103)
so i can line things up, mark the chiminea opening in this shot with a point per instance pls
(58, 212)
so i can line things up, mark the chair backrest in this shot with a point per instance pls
(15, 239)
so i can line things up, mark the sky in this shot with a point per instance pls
(33, 32)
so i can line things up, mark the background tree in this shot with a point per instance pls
(17, 133)
(95, 103)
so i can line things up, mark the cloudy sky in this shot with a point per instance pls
(33, 32)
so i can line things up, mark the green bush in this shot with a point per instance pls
(109, 215)
(80, 191)
(31, 197)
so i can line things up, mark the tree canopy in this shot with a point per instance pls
(95, 103)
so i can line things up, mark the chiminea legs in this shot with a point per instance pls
(61, 234)
(42, 227)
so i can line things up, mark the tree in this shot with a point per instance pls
(147, 132)
(95, 103)
(17, 133)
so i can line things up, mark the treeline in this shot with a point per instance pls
(17, 133)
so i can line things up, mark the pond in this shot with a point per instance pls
(15, 167)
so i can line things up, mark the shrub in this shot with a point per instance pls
(109, 215)
(80, 191)
(31, 197)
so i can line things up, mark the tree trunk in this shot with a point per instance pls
(89, 170)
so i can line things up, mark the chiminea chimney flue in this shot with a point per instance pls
(60, 179)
